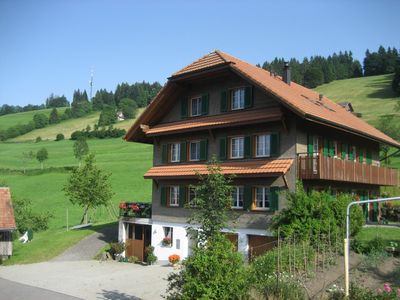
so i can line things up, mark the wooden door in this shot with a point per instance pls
(258, 245)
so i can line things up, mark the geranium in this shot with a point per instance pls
(166, 241)
(387, 287)
(123, 205)
(174, 258)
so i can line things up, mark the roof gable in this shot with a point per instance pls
(303, 101)
(7, 220)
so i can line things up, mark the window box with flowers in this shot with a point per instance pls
(174, 259)
(166, 242)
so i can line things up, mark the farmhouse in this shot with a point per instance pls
(265, 129)
(7, 223)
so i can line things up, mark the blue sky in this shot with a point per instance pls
(50, 46)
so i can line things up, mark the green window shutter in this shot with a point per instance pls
(204, 104)
(274, 204)
(182, 196)
(164, 153)
(248, 197)
(224, 101)
(203, 149)
(361, 156)
(310, 145)
(222, 148)
(326, 147)
(275, 141)
(247, 146)
(248, 97)
(344, 152)
(164, 191)
(183, 152)
(369, 157)
(184, 107)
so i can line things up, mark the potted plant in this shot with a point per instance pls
(174, 259)
(150, 257)
(166, 242)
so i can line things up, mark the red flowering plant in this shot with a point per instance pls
(167, 241)
(174, 258)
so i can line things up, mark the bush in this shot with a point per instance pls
(150, 257)
(212, 272)
(40, 120)
(60, 137)
(132, 259)
(116, 249)
(38, 139)
(282, 286)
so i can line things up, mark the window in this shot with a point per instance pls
(192, 196)
(175, 152)
(168, 239)
(262, 198)
(196, 107)
(195, 151)
(237, 96)
(237, 197)
(237, 147)
(263, 146)
(174, 196)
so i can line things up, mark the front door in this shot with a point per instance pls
(139, 237)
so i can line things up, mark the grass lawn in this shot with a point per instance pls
(7, 121)
(387, 234)
(47, 245)
(68, 127)
(372, 96)
(127, 163)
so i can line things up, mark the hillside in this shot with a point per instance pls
(10, 120)
(68, 127)
(372, 96)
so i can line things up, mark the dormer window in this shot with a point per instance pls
(195, 106)
(238, 96)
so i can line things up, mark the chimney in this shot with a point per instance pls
(286, 73)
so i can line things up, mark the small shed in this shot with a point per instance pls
(7, 223)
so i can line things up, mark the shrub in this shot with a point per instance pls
(40, 120)
(132, 259)
(150, 257)
(60, 137)
(116, 249)
(282, 286)
(38, 139)
(212, 272)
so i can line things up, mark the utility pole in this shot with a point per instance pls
(347, 239)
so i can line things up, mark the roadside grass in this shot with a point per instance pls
(22, 118)
(387, 234)
(126, 161)
(69, 126)
(372, 96)
(48, 244)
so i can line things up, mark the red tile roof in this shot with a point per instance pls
(303, 101)
(7, 220)
(209, 122)
(251, 168)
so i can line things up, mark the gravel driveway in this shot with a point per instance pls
(93, 279)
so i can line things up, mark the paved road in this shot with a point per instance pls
(87, 248)
(10, 290)
(90, 280)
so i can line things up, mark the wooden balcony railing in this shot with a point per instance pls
(329, 168)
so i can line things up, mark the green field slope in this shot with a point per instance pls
(126, 161)
(68, 127)
(372, 96)
(22, 118)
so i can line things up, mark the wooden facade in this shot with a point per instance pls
(330, 168)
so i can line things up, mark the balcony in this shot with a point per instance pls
(329, 168)
(135, 210)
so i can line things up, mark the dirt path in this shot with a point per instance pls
(87, 248)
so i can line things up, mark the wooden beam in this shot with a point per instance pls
(285, 180)
(284, 124)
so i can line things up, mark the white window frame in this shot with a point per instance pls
(175, 152)
(197, 105)
(238, 143)
(237, 197)
(266, 198)
(198, 151)
(237, 98)
(264, 144)
(174, 196)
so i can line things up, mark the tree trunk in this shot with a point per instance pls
(84, 214)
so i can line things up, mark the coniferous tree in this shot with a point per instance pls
(54, 118)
